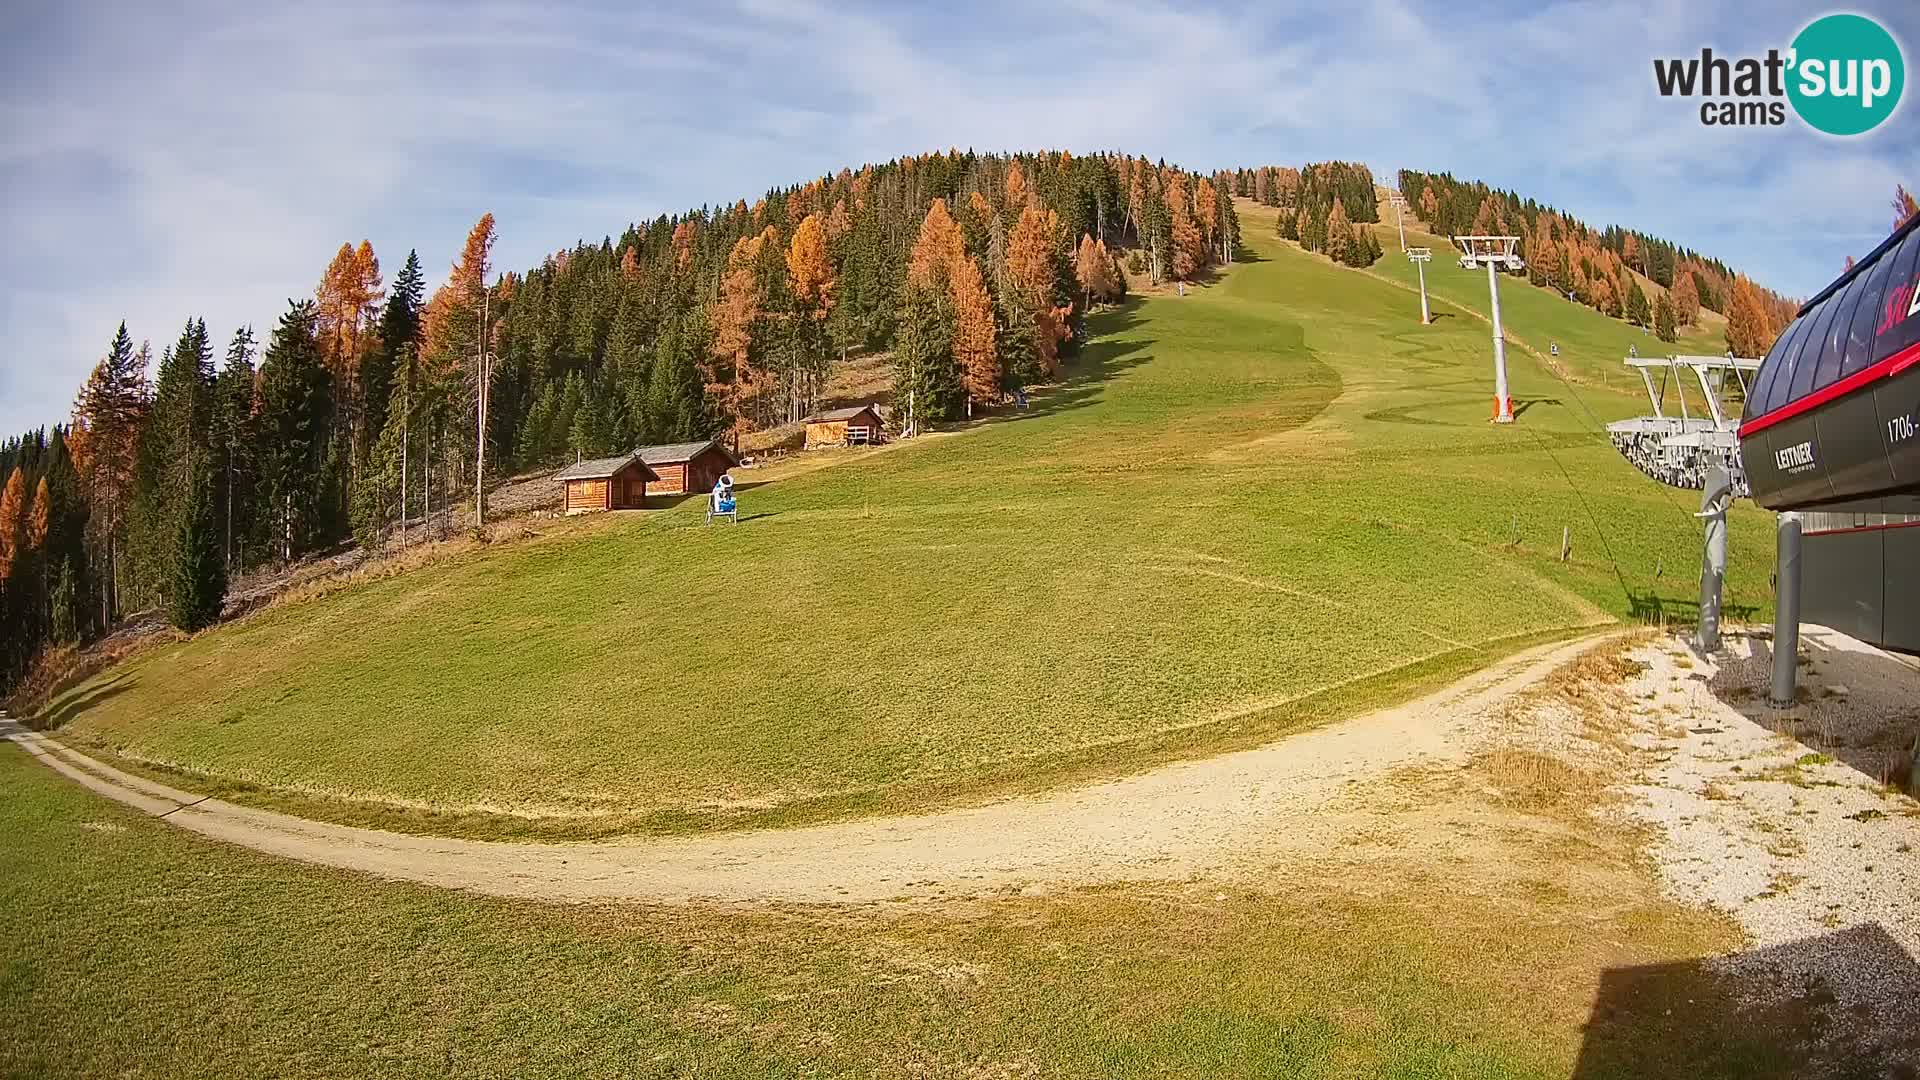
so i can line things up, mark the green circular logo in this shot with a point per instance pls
(1845, 74)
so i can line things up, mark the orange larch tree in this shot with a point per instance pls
(1339, 231)
(1207, 212)
(13, 515)
(1016, 188)
(1189, 248)
(683, 235)
(938, 248)
(1750, 329)
(809, 270)
(39, 516)
(348, 299)
(1032, 250)
(975, 347)
(1686, 298)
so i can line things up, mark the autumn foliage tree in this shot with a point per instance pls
(1750, 328)
(1189, 245)
(13, 520)
(1686, 301)
(1033, 252)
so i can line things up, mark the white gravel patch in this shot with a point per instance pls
(1783, 819)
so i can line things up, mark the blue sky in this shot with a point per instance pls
(168, 160)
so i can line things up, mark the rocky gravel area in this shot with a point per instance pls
(1795, 821)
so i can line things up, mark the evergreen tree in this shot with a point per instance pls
(676, 408)
(1638, 311)
(172, 458)
(296, 409)
(399, 333)
(233, 438)
(199, 582)
(927, 381)
(1663, 327)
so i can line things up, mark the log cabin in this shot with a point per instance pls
(615, 483)
(861, 424)
(684, 468)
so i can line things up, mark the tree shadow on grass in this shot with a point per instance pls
(1763, 1013)
(1084, 376)
(71, 707)
(1521, 406)
(1653, 609)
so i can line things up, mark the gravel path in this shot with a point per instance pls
(1782, 819)
(1171, 823)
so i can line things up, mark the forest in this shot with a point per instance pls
(1596, 267)
(376, 403)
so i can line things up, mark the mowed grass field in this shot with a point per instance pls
(1269, 503)
(131, 948)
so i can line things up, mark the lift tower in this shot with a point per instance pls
(1421, 257)
(1496, 253)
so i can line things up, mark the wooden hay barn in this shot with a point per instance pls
(615, 483)
(682, 468)
(860, 424)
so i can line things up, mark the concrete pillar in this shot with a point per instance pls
(1786, 611)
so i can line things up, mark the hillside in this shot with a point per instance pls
(1265, 504)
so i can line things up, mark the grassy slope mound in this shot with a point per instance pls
(1269, 502)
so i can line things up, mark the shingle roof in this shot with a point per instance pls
(673, 453)
(842, 414)
(594, 468)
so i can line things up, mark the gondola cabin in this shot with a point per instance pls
(1832, 430)
(615, 483)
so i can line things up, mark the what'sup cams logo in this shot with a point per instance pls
(1843, 75)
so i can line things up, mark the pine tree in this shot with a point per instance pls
(1663, 327)
(296, 410)
(232, 436)
(676, 409)
(172, 457)
(927, 382)
(399, 332)
(1638, 312)
(199, 572)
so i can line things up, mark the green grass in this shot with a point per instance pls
(1591, 345)
(1272, 502)
(131, 948)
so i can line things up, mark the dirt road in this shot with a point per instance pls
(1171, 823)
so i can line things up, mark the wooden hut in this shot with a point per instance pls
(615, 483)
(860, 424)
(681, 468)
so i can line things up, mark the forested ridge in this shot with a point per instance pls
(360, 408)
(1591, 266)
